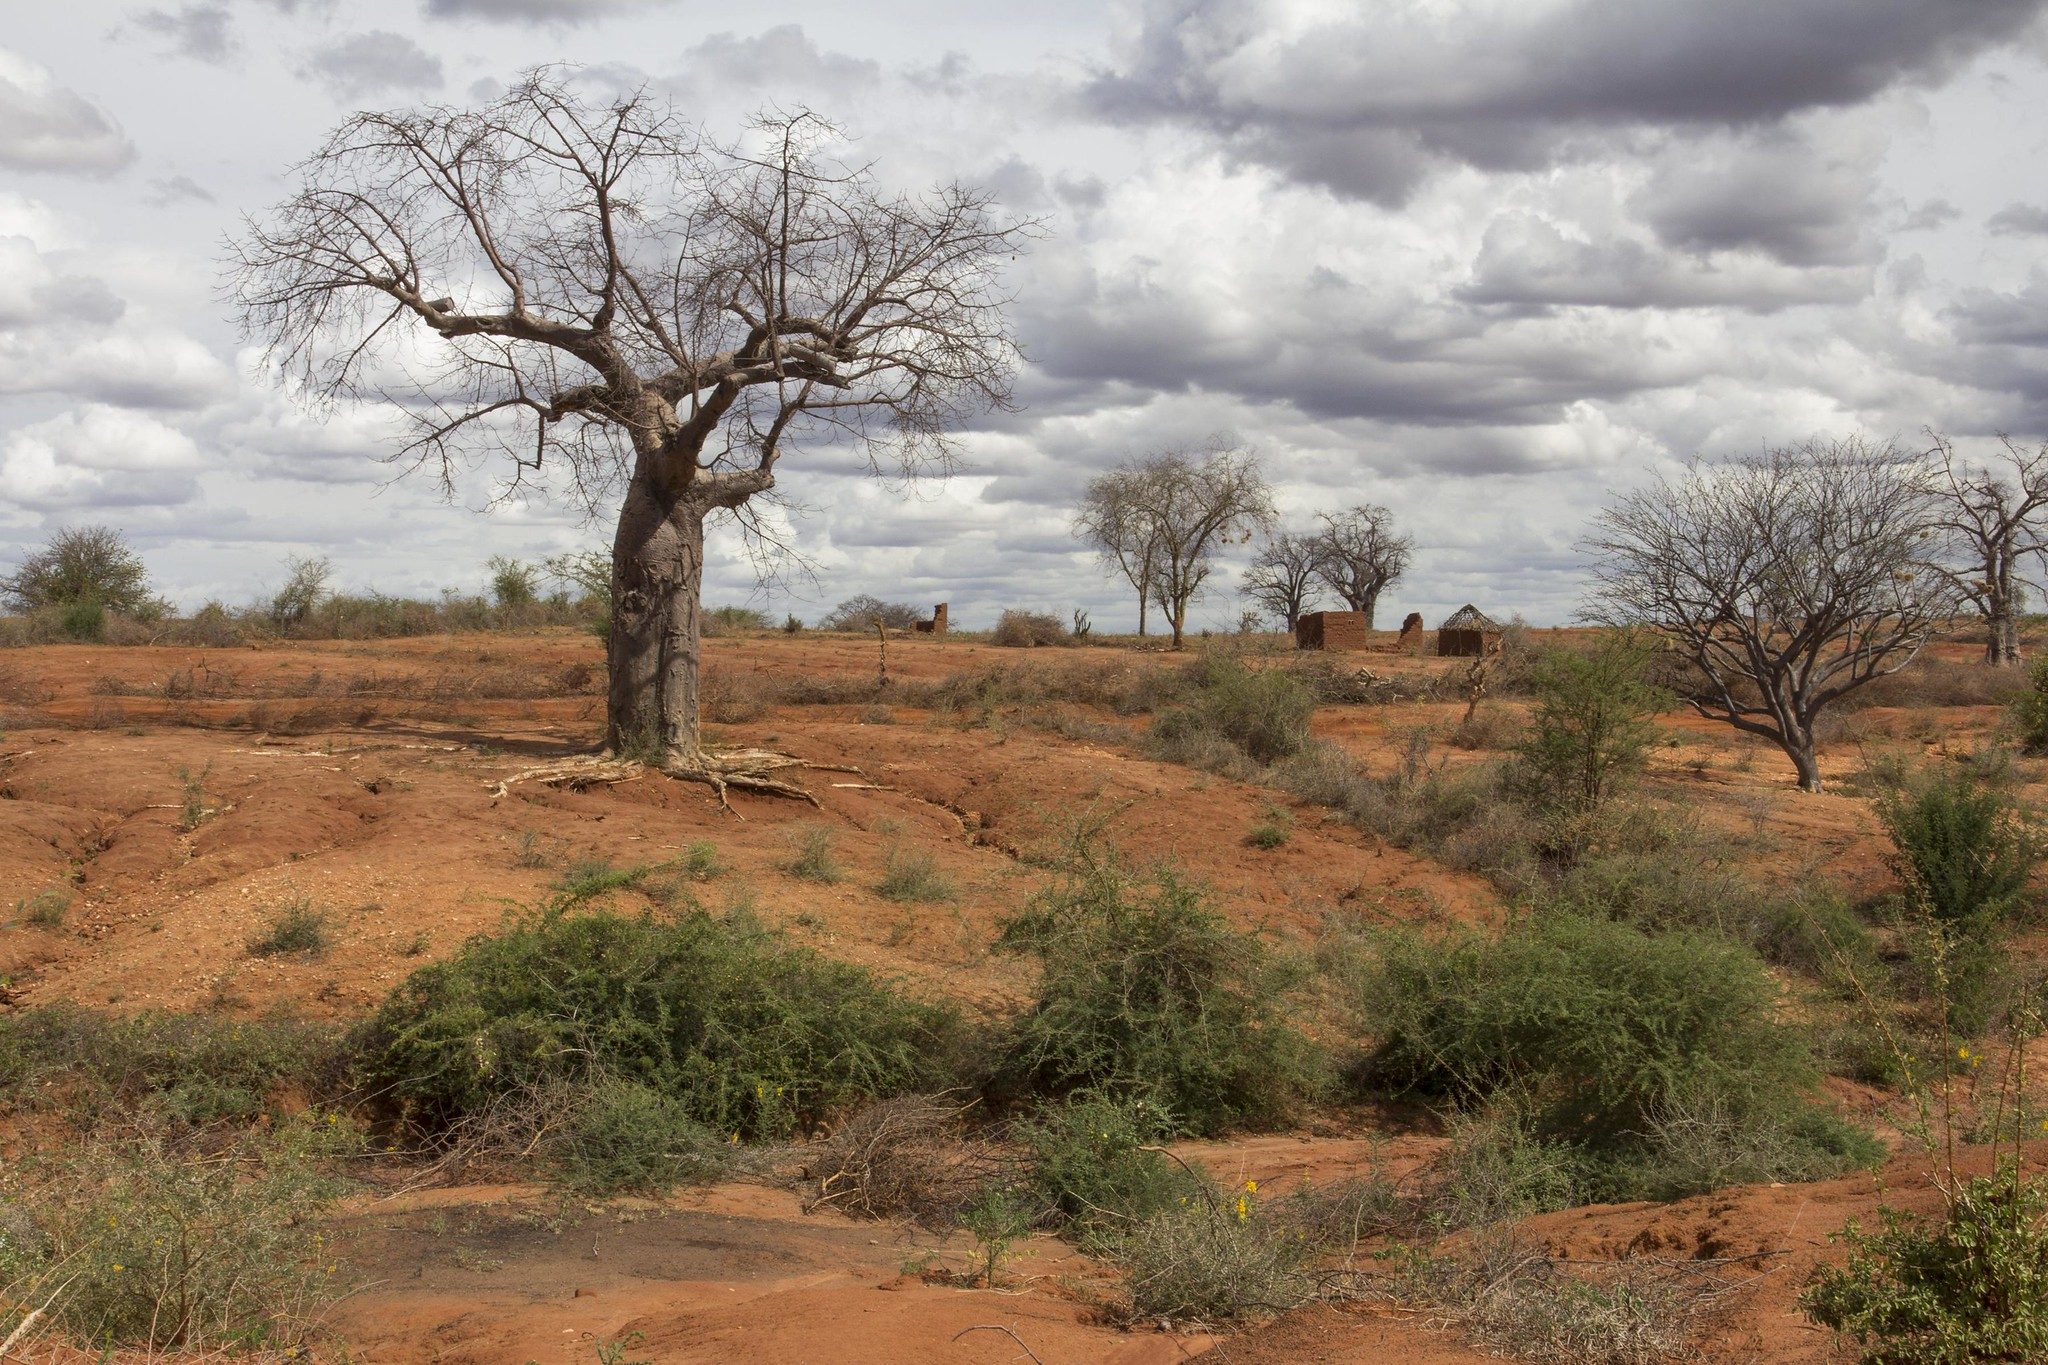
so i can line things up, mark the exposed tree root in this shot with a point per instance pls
(723, 770)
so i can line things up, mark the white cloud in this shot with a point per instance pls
(99, 456)
(46, 127)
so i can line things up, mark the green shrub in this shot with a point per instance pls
(1091, 1166)
(144, 1244)
(1590, 729)
(1262, 713)
(1970, 1286)
(296, 928)
(622, 1137)
(1604, 1037)
(1145, 991)
(2029, 710)
(186, 1067)
(1961, 844)
(84, 620)
(1201, 1264)
(744, 1032)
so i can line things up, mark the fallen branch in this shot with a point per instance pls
(998, 1327)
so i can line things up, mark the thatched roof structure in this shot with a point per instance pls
(1469, 617)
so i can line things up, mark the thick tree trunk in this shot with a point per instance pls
(657, 583)
(2002, 626)
(1141, 614)
(1370, 606)
(1803, 758)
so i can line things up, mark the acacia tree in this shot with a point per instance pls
(597, 287)
(1115, 517)
(1282, 575)
(83, 564)
(1160, 520)
(1358, 553)
(1992, 520)
(1786, 580)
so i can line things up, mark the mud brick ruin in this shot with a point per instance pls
(1331, 630)
(1411, 634)
(935, 626)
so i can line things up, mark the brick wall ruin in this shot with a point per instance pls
(1332, 630)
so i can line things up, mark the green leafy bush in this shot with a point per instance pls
(1262, 713)
(1962, 845)
(744, 1032)
(1144, 991)
(622, 1137)
(2029, 710)
(1608, 1040)
(1090, 1163)
(296, 928)
(1970, 1286)
(1590, 728)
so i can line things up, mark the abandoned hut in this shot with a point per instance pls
(1467, 633)
(1331, 630)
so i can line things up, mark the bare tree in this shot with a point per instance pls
(1358, 553)
(1115, 518)
(1993, 522)
(1787, 580)
(1161, 519)
(597, 287)
(1282, 575)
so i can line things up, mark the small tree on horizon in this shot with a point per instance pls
(1993, 521)
(596, 286)
(1282, 576)
(1160, 519)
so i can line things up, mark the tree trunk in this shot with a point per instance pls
(2002, 623)
(1142, 599)
(1369, 606)
(1800, 751)
(657, 584)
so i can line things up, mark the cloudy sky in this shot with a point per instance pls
(1478, 260)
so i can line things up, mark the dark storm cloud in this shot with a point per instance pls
(1528, 265)
(537, 11)
(1983, 317)
(203, 32)
(1369, 105)
(2019, 220)
(1779, 193)
(363, 65)
(46, 127)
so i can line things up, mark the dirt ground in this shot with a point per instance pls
(181, 797)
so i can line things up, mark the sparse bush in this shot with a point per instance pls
(84, 621)
(296, 928)
(996, 1217)
(141, 1243)
(901, 1158)
(913, 877)
(1273, 831)
(1969, 1286)
(182, 1067)
(1262, 713)
(1201, 1264)
(814, 859)
(1019, 629)
(792, 624)
(732, 697)
(747, 1034)
(1144, 991)
(1610, 1042)
(860, 613)
(305, 585)
(46, 909)
(730, 620)
(515, 585)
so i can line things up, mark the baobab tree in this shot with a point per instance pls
(1161, 519)
(1993, 523)
(592, 286)
(1787, 580)
(1282, 575)
(1358, 553)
